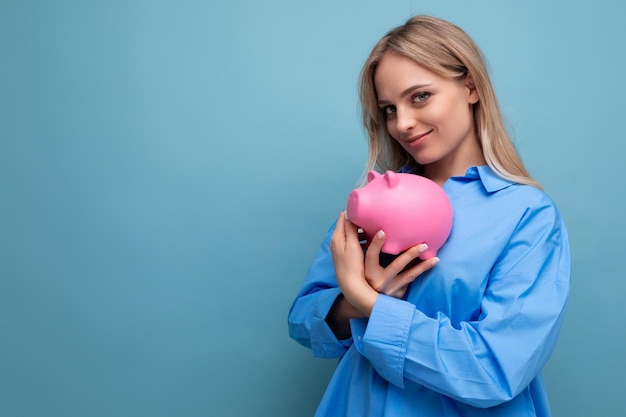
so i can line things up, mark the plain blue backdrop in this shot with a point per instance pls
(168, 169)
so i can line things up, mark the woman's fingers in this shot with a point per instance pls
(397, 286)
(349, 266)
(394, 279)
(405, 259)
(372, 256)
(412, 273)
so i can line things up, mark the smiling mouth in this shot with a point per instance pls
(416, 140)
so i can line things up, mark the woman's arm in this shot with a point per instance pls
(307, 315)
(339, 317)
(491, 359)
(320, 316)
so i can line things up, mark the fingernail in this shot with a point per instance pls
(434, 261)
(423, 247)
(380, 234)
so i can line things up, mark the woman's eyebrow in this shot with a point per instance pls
(405, 92)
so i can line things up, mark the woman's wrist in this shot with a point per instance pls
(366, 301)
(362, 298)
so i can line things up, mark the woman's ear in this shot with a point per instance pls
(472, 93)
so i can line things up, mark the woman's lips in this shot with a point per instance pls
(417, 140)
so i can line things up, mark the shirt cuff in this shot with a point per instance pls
(383, 338)
(324, 343)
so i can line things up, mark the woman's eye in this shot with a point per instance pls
(420, 97)
(389, 110)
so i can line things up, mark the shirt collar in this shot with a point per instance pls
(491, 181)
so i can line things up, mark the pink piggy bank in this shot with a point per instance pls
(409, 208)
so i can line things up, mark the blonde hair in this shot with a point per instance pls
(445, 49)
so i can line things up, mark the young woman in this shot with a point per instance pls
(467, 333)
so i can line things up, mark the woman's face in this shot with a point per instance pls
(429, 115)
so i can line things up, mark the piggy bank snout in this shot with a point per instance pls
(352, 206)
(415, 210)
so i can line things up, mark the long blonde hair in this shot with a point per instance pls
(445, 49)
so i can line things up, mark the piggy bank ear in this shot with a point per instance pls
(392, 179)
(371, 175)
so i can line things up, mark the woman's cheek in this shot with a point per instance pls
(437, 114)
(391, 129)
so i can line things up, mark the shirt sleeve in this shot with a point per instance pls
(490, 360)
(307, 315)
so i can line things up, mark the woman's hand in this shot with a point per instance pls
(361, 278)
(394, 279)
(349, 264)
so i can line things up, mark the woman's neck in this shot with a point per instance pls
(457, 166)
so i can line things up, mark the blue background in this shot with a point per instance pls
(168, 169)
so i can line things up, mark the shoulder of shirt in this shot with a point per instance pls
(492, 182)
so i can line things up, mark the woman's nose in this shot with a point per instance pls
(405, 120)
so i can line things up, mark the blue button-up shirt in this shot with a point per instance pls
(471, 335)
